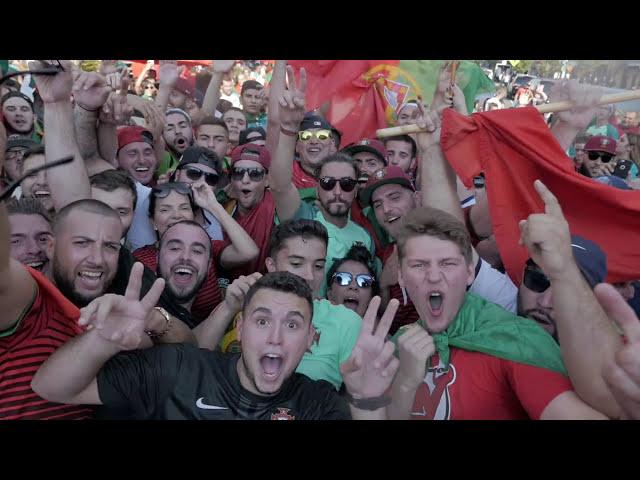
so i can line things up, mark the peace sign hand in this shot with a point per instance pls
(547, 237)
(292, 101)
(122, 319)
(370, 369)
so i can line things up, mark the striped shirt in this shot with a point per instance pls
(209, 295)
(50, 322)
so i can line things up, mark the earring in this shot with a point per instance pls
(404, 296)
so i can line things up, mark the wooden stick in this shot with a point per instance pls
(546, 108)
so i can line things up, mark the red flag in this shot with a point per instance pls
(355, 105)
(514, 148)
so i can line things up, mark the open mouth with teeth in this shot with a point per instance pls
(90, 279)
(183, 275)
(142, 169)
(435, 303)
(37, 265)
(271, 364)
(392, 219)
(42, 194)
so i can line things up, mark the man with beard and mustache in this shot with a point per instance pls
(337, 178)
(535, 297)
(31, 234)
(37, 185)
(178, 136)
(136, 154)
(17, 146)
(184, 256)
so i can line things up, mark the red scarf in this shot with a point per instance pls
(258, 223)
(302, 179)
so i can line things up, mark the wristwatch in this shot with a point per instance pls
(167, 326)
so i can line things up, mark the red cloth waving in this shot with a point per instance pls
(514, 148)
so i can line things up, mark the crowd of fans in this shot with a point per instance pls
(211, 250)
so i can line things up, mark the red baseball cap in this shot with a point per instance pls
(371, 145)
(186, 85)
(601, 143)
(384, 176)
(136, 133)
(251, 151)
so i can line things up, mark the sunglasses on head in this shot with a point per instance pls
(255, 174)
(364, 280)
(347, 184)
(306, 135)
(535, 280)
(604, 157)
(162, 191)
(196, 174)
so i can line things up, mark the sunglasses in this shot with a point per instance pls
(163, 190)
(255, 174)
(535, 280)
(364, 280)
(196, 174)
(604, 157)
(305, 135)
(347, 184)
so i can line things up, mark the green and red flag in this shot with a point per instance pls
(365, 95)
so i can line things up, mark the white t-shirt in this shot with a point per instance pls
(495, 287)
(142, 233)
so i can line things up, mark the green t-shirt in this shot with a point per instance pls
(169, 162)
(340, 239)
(338, 328)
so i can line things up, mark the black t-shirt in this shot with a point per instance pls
(183, 382)
(121, 279)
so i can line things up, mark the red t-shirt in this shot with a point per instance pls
(209, 295)
(50, 322)
(478, 386)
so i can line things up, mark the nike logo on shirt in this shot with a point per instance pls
(204, 406)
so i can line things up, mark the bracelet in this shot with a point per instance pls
(289, 133)
(371, 404)
(86, 109)
(167, 326)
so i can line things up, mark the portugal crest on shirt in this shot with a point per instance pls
(282, 414)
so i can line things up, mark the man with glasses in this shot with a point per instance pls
(16, 147)
(535, 299)
(201, 166)
(314, 141)
(252, 205)
(336, 174)
(600, 152)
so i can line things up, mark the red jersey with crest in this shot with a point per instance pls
(478, 386)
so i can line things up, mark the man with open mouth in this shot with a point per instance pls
(184, 382)
(467, 358)
(178, 136)
(31, 234)
(36, 185)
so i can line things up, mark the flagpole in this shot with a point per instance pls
(546, 108)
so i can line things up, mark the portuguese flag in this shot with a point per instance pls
(364, 95)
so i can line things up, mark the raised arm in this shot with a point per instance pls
(116, 111)
(292, 107)
(17, 287)
(587, 337)
(571, 122)
(143, 74)
(118, 323)
(212, 95)
(210, 332)
(276, 89)
(242, 249)
(69, 182)
(169, 73)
